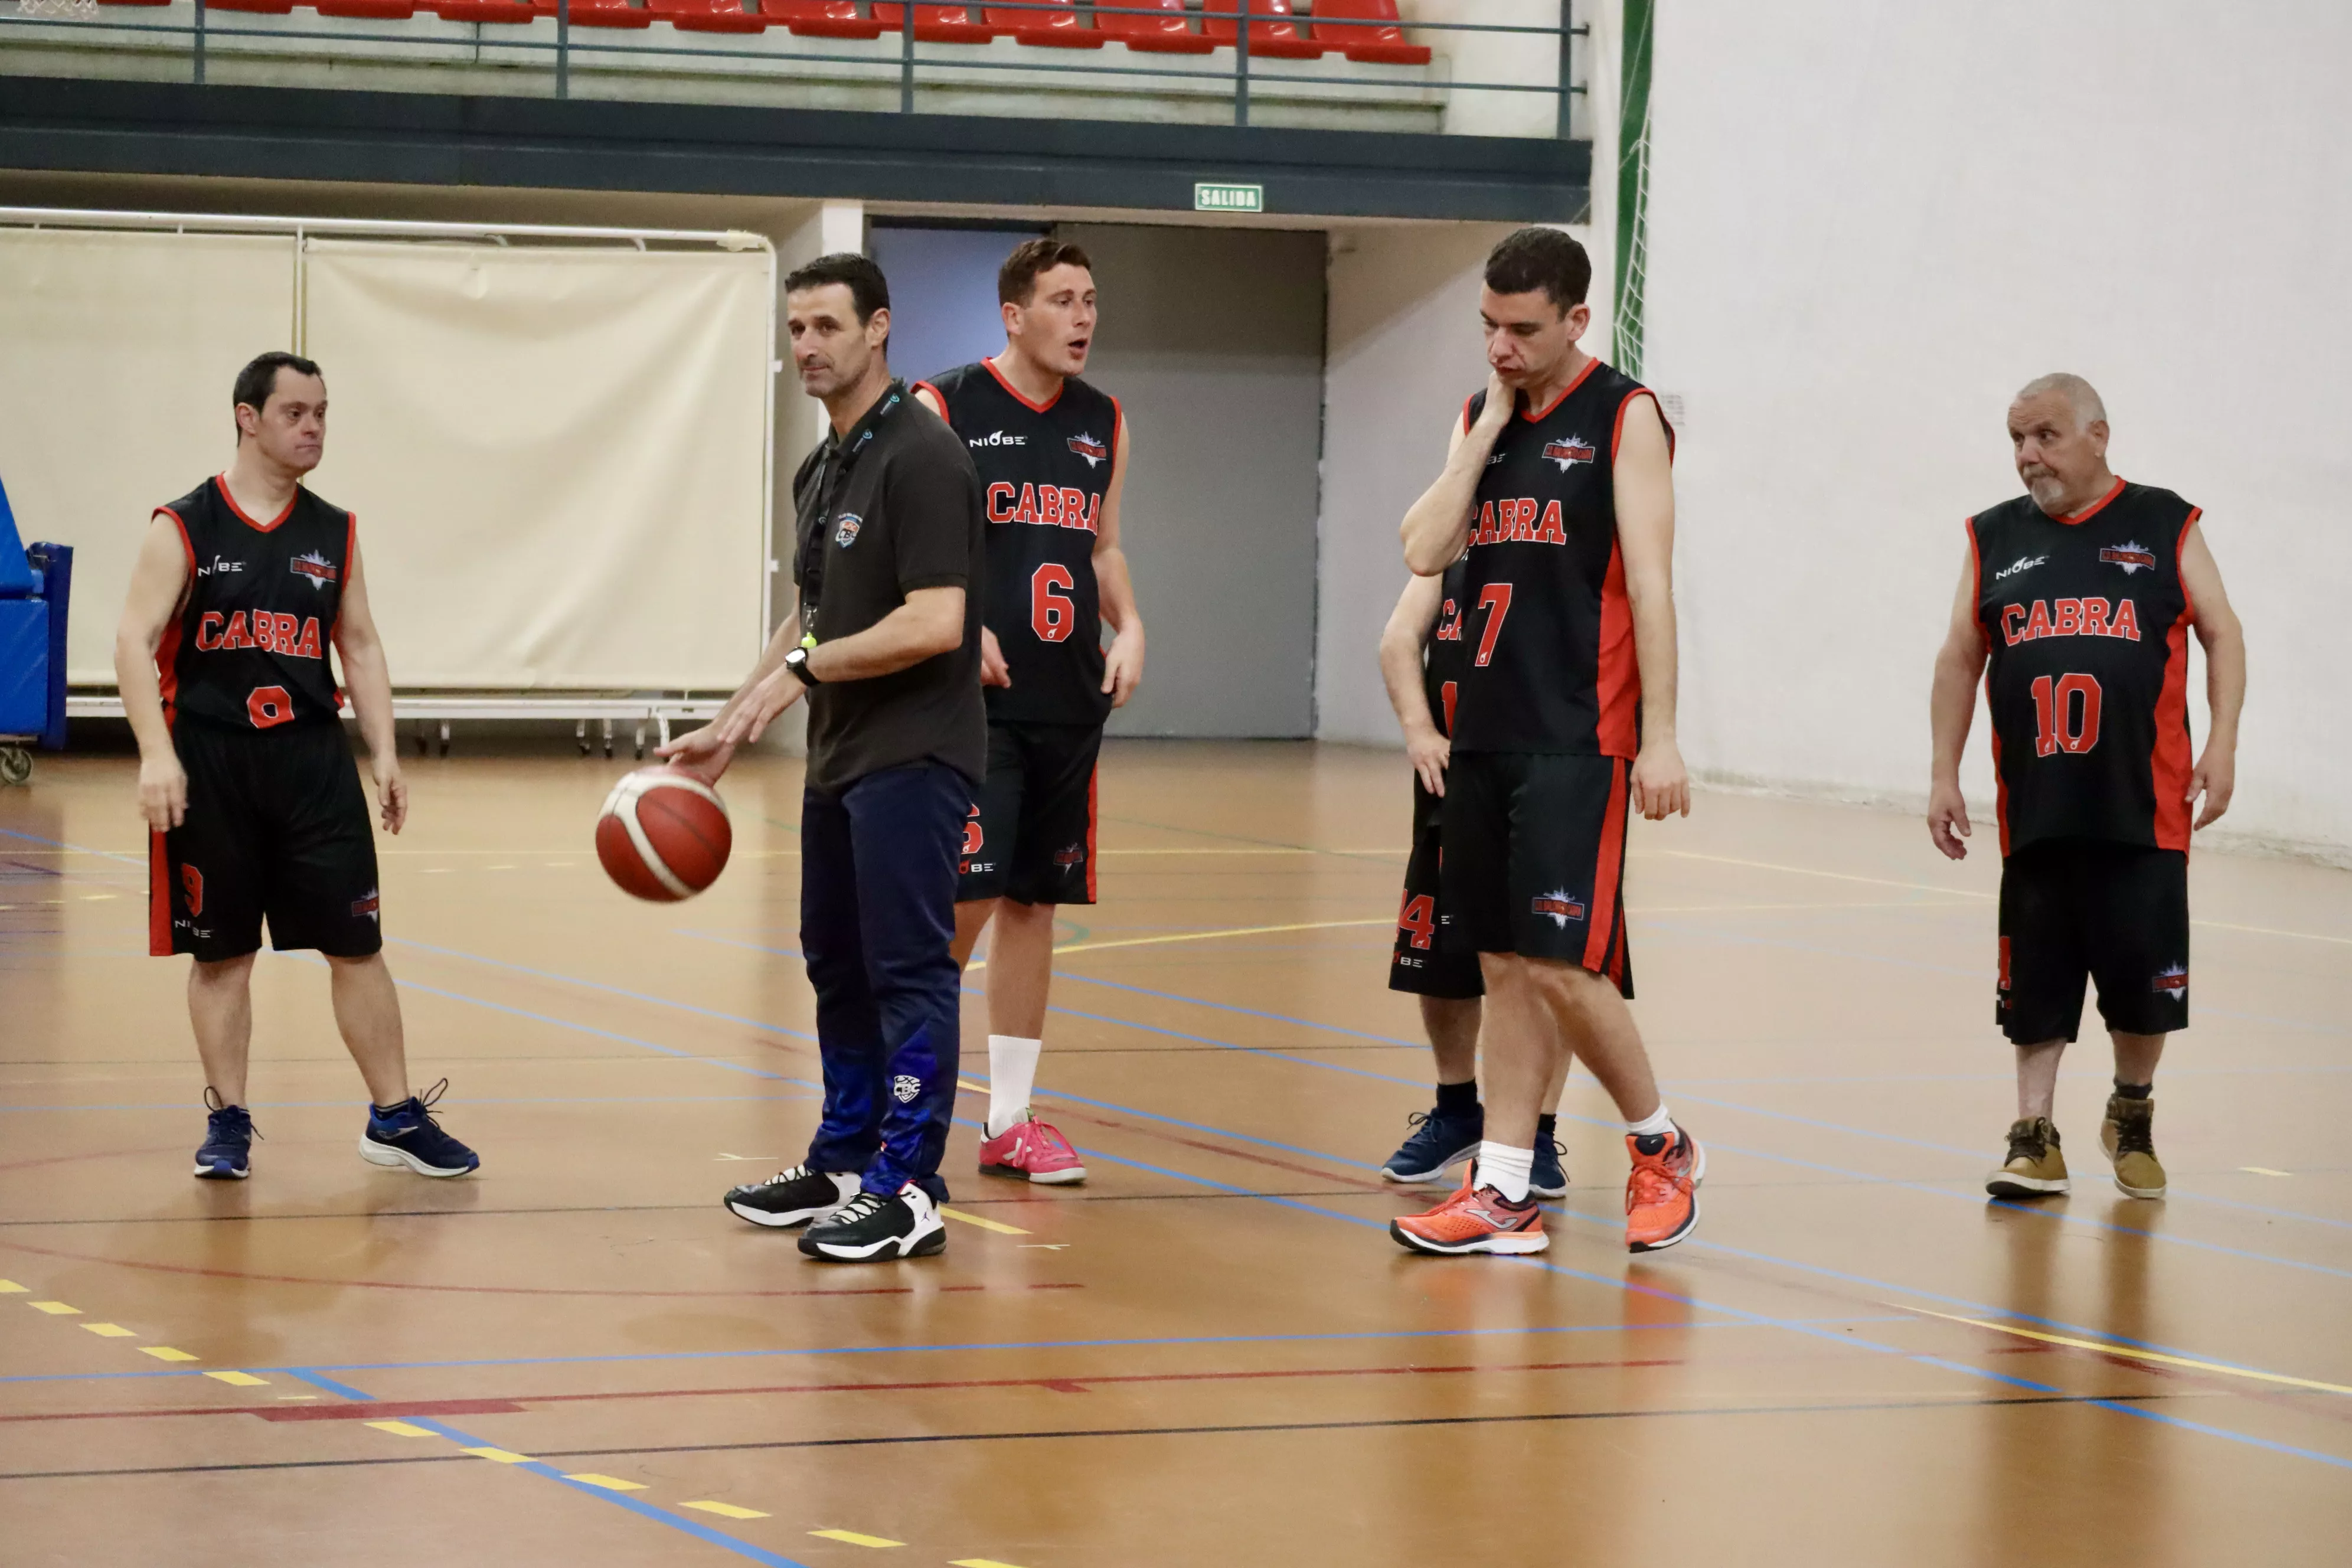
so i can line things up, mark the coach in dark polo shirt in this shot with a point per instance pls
(885, 644)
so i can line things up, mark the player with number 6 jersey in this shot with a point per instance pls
(243, 589)
(1053, 455)
(1559, 484)
(2077, 600)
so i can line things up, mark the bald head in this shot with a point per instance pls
(2058, 431)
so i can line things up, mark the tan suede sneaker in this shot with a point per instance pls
(2035, 1168)
(2128, 1135)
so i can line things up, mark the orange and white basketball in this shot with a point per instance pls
(663, 835)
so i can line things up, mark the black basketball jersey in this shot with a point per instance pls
(1446, 658)
(2089, 681)
(1546, 622)
(1046, 467)
(249, 644)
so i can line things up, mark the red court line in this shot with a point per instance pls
(490, 1289)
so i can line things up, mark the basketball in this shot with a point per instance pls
(663, 835)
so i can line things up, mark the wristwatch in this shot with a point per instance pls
(797, 661)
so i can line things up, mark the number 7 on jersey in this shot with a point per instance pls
(1494, 598)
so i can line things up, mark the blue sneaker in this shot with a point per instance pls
(406, 1134)
(1549, 1177)
(1437, 1143)
(228, 1138)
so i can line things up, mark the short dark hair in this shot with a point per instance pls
(258, 380)
(868, 291)
(1543, 258)
(1016, 281)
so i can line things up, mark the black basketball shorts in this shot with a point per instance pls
(1030, 836)
(277, 829)
(2079, 908)
(1424, 963)
(1534, 857)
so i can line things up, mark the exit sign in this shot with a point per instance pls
(1208, 198)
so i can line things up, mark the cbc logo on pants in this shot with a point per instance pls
(905, 1087)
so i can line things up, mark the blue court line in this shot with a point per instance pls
(309, 1373)
(760, 1024)
(1420, 1086)
(541, 1467)
(345, 1104)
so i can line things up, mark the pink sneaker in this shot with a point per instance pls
(1033, 1148)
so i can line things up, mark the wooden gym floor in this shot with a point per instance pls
(1210, 1354)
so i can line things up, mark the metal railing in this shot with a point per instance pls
(918, 62)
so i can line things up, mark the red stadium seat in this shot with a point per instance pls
(134, 2)
(821, 18)
(1366, 31)
(487, 11)
(368, 10)
(708, 16)
(260, 7)
(1171, 34)
(1278, 38)
(935, 23)
(604, 13)
(1043, 30)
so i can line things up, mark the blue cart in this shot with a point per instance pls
(35, 586)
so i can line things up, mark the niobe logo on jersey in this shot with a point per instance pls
(1561, 908)
(315, 566)
(1047, 506)
(221, 564)
(1569, 453)
(2022, 563)
(293, 636)
(1520, 520)
(2131, 556)
(996, 438)
(2070, 618)
(1092, 450)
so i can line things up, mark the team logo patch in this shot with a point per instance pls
(1092, 450)
(2172, 981)
(1075, 854)
(905, 1088)
(2022, 563)
(369, 905)
(315, 566)
(846, 527)
(2131, 556)
(1558, 906)
(1569, 453)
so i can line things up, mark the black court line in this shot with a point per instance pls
(1397, 1425)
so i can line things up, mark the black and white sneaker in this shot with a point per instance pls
(792, 1198)
(873, 1228)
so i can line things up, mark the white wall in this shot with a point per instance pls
(1871, 223)
(1402, 350)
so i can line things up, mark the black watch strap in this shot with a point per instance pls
(797, 661)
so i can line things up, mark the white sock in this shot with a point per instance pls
(1507, 1169)
(1651, 1125)
(1012, 1071)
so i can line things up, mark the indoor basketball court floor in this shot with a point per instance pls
(1211, 1353)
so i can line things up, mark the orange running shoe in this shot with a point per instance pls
(1474, 1219)
(1662, 1194)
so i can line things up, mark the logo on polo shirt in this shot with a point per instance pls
(846, 527)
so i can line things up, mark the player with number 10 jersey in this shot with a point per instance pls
(1052, 452)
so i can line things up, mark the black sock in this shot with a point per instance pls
(1546, 1128)
(2134, 1091)
(1458, 1098)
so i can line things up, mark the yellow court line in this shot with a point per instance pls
(2103, 1349)
(2273, 930)
(610, 1483)
(109, 1331)
(981, 1562)
(1213, 935)
(165, 1352)
(240, 1379)
(853, 1538)
(10, 1288)
(54, 1309)
(400, 1428)
(502, 1456)
(997, 1225)
(2263, 1170)
(725, 1510)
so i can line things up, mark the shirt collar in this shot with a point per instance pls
(844, 447)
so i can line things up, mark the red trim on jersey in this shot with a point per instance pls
(220, 481)
(1999, 779)
(1093, 779)
(167, 647)
(1533, 415)
(159, 898)
(932, 387)
(2092, 511)
(1617, 671)
(1118, 428)
(1617, 435)
(1466, 412)
(2169, 763)
(1601, 926)
(351, 554)
(1018, 395)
